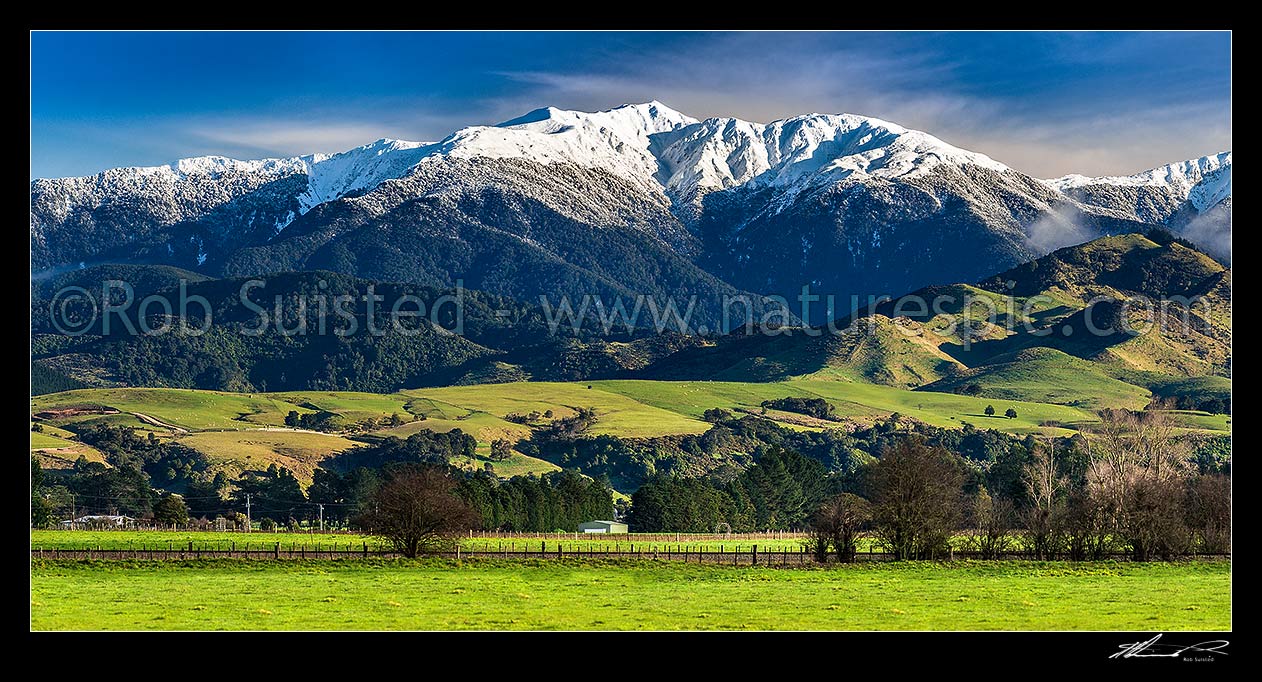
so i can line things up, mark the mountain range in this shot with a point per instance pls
(640, 199)
(644, 200)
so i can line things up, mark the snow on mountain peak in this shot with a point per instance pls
(726, 152)
(649, 144)
(1204, 182)
(331, 176)
(657, 147)
(631, 120)
(211, 166)
(193, 185)
(615, 140)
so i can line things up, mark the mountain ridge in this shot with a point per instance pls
(849, 203)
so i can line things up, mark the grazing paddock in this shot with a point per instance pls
(596, 595)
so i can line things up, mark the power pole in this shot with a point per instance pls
(249, 523)
(321, 517)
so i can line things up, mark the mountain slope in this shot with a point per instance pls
(491, 340)
(1023, 334)
(194, 209)
(1049, 376)
(511, 227)
(1088, 284)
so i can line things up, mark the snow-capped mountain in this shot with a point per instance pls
(334, 176)
(100, 217)
(721, 153)
(636, 198)
(619, 141)
(1158, 193)
(1192, 197)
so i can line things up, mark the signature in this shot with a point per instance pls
(1153, 649)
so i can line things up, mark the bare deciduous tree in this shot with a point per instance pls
(1044, 517)
(1127, 445)
(1087, 527)
(1152, 519)
(916, 498)
(1138, 465)
(990, 527)
(837, 524)
(417, 511)
(1209, 513)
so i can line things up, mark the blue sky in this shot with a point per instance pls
(1045, 103)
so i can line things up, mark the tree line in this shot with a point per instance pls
(142, 473)
(1133, 484)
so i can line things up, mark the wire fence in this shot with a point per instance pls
(775, 556)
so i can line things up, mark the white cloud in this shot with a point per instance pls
(287, 138)
(1055, 229)
(1212, 232)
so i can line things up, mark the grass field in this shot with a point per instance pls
(1045, 375)
(627, 408)
(620, 415)
(40, 441)
(851, 399)
(351, 405)
(530, 542)
(255, 450)
(56, 449)
(184, 408)
(228, 427)
(83, 421)
(581, 595)
(49, 430)
(1202, 421)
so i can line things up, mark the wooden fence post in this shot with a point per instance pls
(755, 563)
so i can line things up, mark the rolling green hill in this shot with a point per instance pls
(238, 451)
(56, 448)
(1017, 340)
(174, 408)
(1046, 375)
(1025, 334)
(246, 432)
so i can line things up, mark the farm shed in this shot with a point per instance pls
(100, 521)
(602, 527)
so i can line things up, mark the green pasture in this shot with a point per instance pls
(626, 595)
